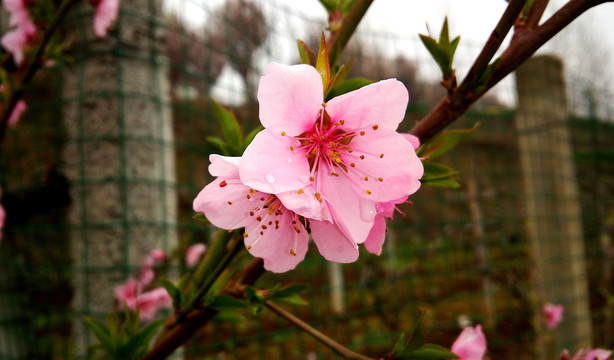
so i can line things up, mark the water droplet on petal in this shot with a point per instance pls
(289, 160)
(367, 210)
(269, 178)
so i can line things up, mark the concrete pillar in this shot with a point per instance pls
(119, 155)
(554, 224)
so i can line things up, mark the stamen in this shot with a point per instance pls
(366, 178)
(362, 157)
(318, 196)
(362, 133)
(245, 235)
(223, 183)
(297, 229)
(248, 197)
(283, 133)
(292, 252)
(311, 178)
(264, 227)
(259, 218)
(352, 164)
(381, 156)
(230, 203)
(341, 122)
(380, 179)
(334, 173)
(291, 148)
(300, 191)
(249, 247)
(251, 213)
(368, 192)
(374, 127)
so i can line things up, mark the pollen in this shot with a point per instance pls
(341, 122)
(362, 157)
(292, 252)
(338, 160)
(264, 227)
(381, 156)
(375, 127)
(352, 164)
(311, 178)
(223, 183)
(283, 133)
(299, 191)
(368, 191)
(318, 196)
(259, 218)
(245, 235)
(334, 173)
(362, 133)
(249, 247)
(248, 197)
(251, 213)
(291, 148)
(366, 178)
(380, 179)
(297, 229)
(230, 203)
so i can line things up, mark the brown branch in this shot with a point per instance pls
(335, 346)
(514, 8)
(197, 319)
(341, 37)
(535, 14)
(523, 45)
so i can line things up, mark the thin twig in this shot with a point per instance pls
(535, 14)
(335, 346)
(340, 38)
(514, 8)
(33, 66)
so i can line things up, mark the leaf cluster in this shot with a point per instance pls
(412, 345)
(442, 51)
(234, 141)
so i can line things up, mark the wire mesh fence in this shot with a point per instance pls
(113, 149)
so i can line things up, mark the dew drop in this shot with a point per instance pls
(269, 178)
(289, 160)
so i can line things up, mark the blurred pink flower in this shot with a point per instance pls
(16, 114)
(147, 274)
(22, 30)
(470, 344)
(272, 232)
(106, 13)
(553, 314)
(345, 154)
(194, 254)
(147, 303)
(594, 354)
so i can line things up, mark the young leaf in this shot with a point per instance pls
(139, 343)
(201, 218)
(173, 292)
(441, 56)
(430, 351)
(226, 302)
(219, 144)
(230, 128)
(436, 174)
(307, 56)
(322, 63)
(415, 336)
(445, 142)
(101, 332)
(252, 134)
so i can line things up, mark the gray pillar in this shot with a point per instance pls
(553, 221)
(119, 155)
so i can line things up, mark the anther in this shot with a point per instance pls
(251, 213)
(338, 160)
(245, 235)
(223, 183)
(368, 192)
(362, 133)
(381, 156)
(251, 191)
(296, 228)
(299, 191)
(311, 178)
(292, 252)
(264, 227)
(341, 122)
(380, 179)
(362, 157)
(374, 127)
(352, 164)
(259, 218)
(334, 173)
(249, 247)
(318, 196)
(283, 133)
(248, 197)
(366, 178)
(291, 148)
(230, 203)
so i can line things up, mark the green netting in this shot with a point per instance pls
(107, 160)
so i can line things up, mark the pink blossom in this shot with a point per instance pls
(272, 232)
(2, 217)
(17, 111)
(147, 274)
(553, 314)
(345, 154)
(194, 253)
(470, 344)
(147, 303)
(593, 354)
(20, 37)
(106, 13)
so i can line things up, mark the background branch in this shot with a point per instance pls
(340, 38)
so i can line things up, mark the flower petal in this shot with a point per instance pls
(224, 202)
(386, 166)
(290, 98)
(304, 203)
(382, 104)
(268, 164)
(278, 238)
(377, 235)
(470, 344)
(332, 243)
(227, 166)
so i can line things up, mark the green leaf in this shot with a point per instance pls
(347, 86)
(228, 316)
(173, 291)
(430, 351)
(201, 218)
(307, 55)
(227, 302)
(219, 144)
(444, 35)
(445, 142)
(139, 343)
(322, 63)
(436, 174)
(441, 56)
(230, 128)
(252, 134)
(415, 336)
(295, 299)
(101, 332)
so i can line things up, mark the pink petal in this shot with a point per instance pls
(15, 42)
(389, 164)
(224, 202)
(194, 254)
(227, 166)
(332, 243)
(598, 354)
(304, 203)
(377, 235)
(413, 140)
(127, 293)
(352, 214)
(554, 315)
(382, 104)
(268, 164)
(146, 276)
(290, 98)
(470, 344)
(106, 13)
(278, 238)
(150, 302)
